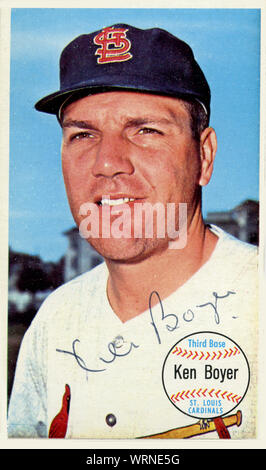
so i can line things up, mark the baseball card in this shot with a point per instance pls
(133, 226)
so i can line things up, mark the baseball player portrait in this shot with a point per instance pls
(138, 148)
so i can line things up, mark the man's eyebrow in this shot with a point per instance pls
(77, 123)
(135, 122)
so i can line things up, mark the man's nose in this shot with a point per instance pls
(113, 157)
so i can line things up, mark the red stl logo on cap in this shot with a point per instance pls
(112, 37)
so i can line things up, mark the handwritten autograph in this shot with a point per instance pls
(188, 316)
(215, 305)
(112, 347)
(115, 345)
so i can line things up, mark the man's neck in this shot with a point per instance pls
(130, 285)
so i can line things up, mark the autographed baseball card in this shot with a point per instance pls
(135, 241)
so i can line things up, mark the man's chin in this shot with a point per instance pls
(127, 250)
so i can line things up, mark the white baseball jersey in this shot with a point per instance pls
(114, 369)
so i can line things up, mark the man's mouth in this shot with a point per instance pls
(115, 202)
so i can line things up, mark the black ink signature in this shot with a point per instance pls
(79, 360)
(188, 315)
(112, 347)
(217, 297)
(163, 316)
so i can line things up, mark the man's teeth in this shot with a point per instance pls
(116, 202)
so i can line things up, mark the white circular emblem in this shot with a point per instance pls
(206, 375)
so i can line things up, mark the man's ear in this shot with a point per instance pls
(208, 147)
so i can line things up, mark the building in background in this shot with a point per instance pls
(242, 221)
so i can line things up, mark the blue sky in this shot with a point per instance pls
(226, 45)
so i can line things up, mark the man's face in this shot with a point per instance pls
(129, 145)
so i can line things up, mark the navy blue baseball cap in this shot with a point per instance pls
(122, 57)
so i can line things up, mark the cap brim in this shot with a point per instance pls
(52, 103)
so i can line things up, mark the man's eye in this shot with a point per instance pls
(149, 130)
(80, 136)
